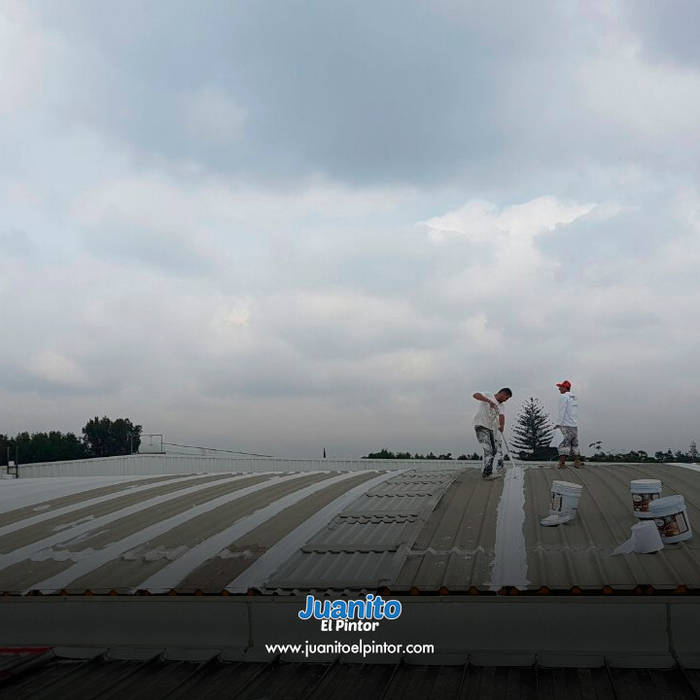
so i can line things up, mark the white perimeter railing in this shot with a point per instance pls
(142, 464)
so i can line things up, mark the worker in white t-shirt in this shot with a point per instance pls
(567, 422)
(489, 422)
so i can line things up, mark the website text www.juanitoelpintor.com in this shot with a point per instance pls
(358, 648)
(361, 615)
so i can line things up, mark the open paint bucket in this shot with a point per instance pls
(671, 518)
(644, 491)
(565, 497)
(564, 502)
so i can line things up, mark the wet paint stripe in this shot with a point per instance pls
(510, 560)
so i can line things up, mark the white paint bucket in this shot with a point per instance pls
(671, 518)
(644, 491)
(565, 497)
(564, 503)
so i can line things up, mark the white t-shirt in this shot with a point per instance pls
(487, 416)
(568, 410)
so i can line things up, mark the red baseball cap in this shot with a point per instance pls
(566, 384)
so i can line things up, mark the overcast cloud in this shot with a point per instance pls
(279, 227)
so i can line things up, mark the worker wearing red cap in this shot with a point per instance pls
(568, 424)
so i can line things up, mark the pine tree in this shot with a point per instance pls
(533, 430)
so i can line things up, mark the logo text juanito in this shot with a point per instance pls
(350, 615)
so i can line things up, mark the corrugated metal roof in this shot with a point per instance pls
(49, 675)
(409, 531)
(366, 545)
(455, 549)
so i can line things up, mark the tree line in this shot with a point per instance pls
(386, 454)
(532, 436)
(100, 437)
(689, 457)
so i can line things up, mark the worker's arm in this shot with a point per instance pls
(480, 397)
(501, 422)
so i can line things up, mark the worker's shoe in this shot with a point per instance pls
(562, 461)
(577, 462)
(494, 475)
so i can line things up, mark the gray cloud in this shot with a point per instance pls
(394, 92)
(667, 32)
(335, 221)
(15, 243)
(172, 254)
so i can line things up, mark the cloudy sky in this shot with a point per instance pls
(283, 226)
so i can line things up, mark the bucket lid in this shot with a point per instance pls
(645, 483)
(669, 504)
(566, 485)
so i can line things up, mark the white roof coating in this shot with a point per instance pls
(15, 493)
